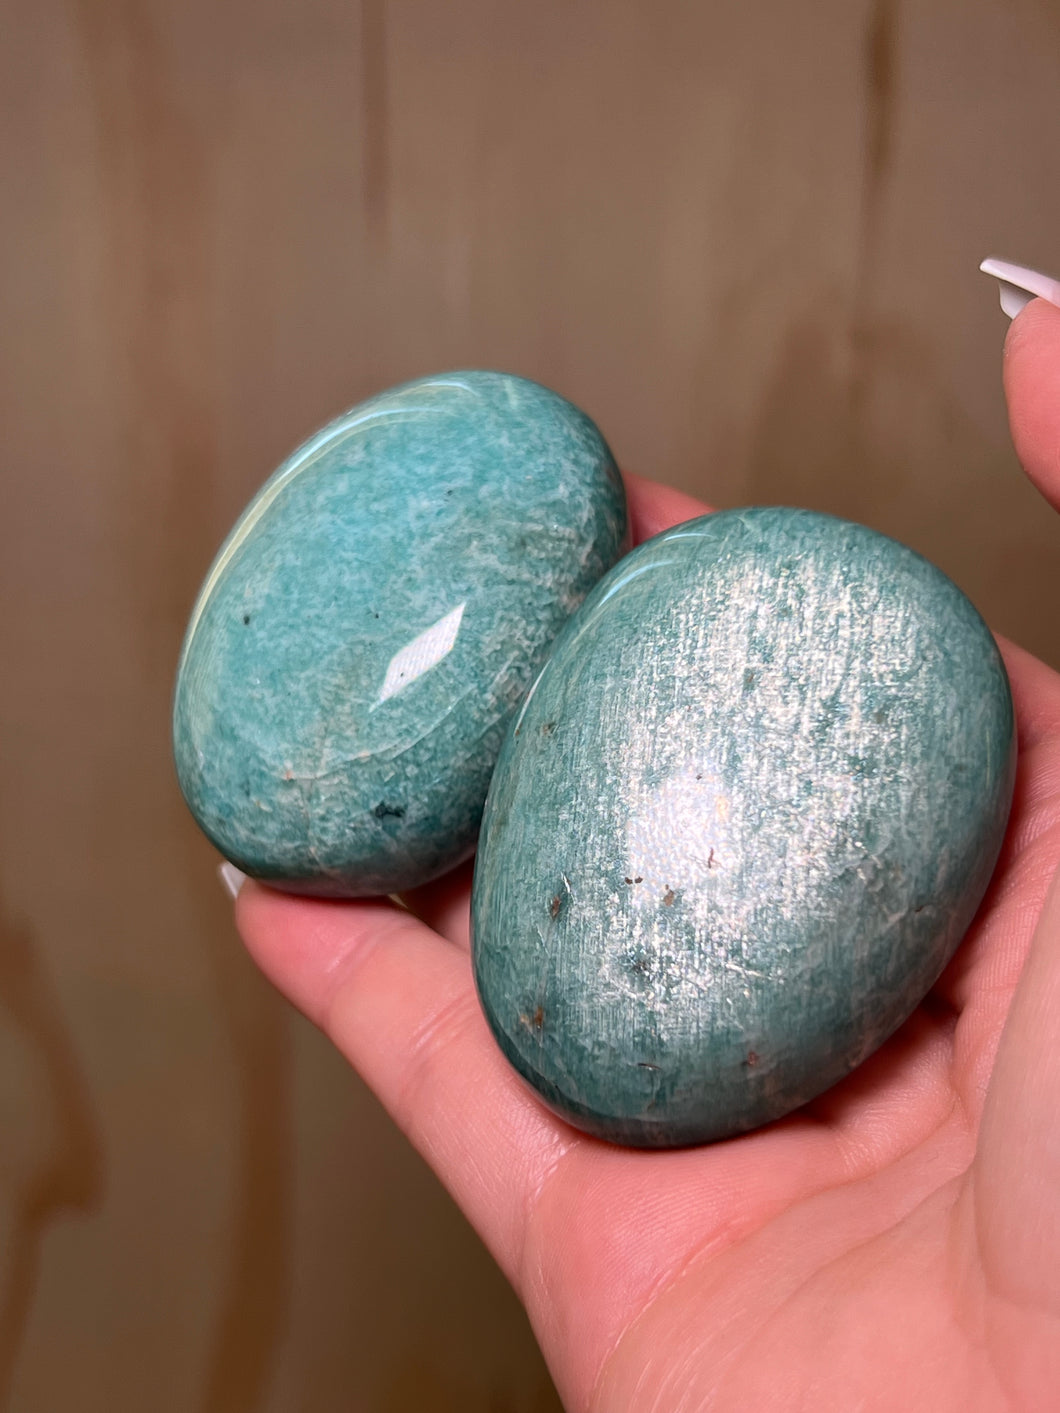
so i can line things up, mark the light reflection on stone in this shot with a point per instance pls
(678, 834)
(424, 652)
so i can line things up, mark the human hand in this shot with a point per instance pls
(893, 1245)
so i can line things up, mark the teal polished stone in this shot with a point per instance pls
(375, 618)
(745, 816)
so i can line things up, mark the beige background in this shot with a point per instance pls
(744, 237)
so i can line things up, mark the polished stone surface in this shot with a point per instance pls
(375, 618)
(744, 818)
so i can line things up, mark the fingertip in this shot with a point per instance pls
(275, 929)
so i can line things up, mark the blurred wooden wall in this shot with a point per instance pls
(744, 237)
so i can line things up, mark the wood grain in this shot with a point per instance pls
(744, 238)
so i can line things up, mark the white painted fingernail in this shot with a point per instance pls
(231, 878)
(1019, 285)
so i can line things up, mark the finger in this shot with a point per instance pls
(653, 508)
(1032, 386)
(1035, 695)
(445, 904)
(400, 1005)
(979, 982)
(1017, 1171)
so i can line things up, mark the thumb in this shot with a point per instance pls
(1032, 387)
(1017, 1170)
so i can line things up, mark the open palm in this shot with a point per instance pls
(894, 1245)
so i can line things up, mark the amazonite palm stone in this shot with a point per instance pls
(373, 621)
(742, 822)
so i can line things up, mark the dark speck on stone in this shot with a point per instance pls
(554, 906)
(246, 618)
(385, 811)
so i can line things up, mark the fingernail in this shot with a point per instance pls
(1019, 285)
(231, 878)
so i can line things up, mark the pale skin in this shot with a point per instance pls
(894, 1245)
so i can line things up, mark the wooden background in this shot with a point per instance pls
(744, 237)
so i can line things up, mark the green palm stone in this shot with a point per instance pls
(740, 825)
(374, 619)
